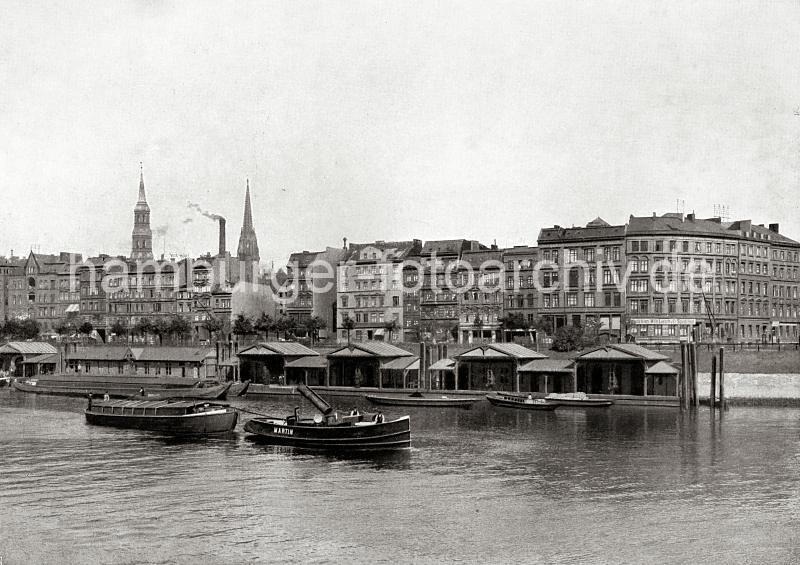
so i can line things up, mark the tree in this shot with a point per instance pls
(592, 331)
(567, 338)
(161, 327)
(242, 325)
(289, 327)
(264, 323)
(119, 329)
(348, 324)
(312, 327)
(86, 328)
(391, 326)
(29, 329)
(180, 327)
(143, 327)
(214, 326)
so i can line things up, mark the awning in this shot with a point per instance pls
(399, 364)
(309, 362)
(72, 308)
(661, 368)
(443, 365)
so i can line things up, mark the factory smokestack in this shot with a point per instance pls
(221, 236)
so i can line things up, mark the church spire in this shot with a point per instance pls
(248, 242)
(142, 197)
(248, 213)
(142, 236)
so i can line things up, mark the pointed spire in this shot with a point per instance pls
(142, 197)
(248, 213)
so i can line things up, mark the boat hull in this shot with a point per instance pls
(387, 436)
(118, 386)
(422, 401)
(211, 393)
(520, 404)
(590, 403)
(187, 424)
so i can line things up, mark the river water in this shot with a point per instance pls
(623, 485)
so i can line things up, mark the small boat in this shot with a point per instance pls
(332, 431)
(180, 417)
(219, 392)
(578, 399)
(520, 402)
(239, 388)
(417, 399)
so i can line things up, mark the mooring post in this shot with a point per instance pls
(695, 396)
(723, 403)
(712, 397)
(682, 387)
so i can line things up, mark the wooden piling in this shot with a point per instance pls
(723, 403)
(695, 395)
(712, 396)
(683, 373)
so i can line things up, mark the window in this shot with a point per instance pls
(659, 245)
(395, 301)
(589, 299)
(588, 254)
(634, 246)
(572, 299)
(685, 246)
(643, 245)
(572, 255)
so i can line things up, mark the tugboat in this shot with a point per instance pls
(332, 431)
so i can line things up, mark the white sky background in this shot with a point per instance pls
(390, 120)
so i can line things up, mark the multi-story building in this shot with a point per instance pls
(46, 291)
(480, 295)
(785, 286)
(681, 274)
(580, 274)
(311, 287)
(521, 291)
(370, 289)
(11, 277)
(439, 274)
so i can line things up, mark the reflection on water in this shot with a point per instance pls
(487, 484)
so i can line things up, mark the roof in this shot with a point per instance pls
(177, 354)
(621, 352)
(443, 365)
(283, 348)
(28, 347)
(557, 234)
(449, 246)
(48, 358)
(370, 349)
(521, 250)
(677, 225)
(501, 351)
(477, 258)
(548, 366)
(399, 364)
(662, 368)
(310, 362)
(103, 353)
(385, 250)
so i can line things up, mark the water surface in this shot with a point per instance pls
(624, 485)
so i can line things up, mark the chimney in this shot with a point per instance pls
(774, 228)
(222, 250)
(654, 216)
(690, 217)
(344, 239)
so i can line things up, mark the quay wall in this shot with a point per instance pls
(755, 388)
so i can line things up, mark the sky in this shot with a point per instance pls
(390, 120)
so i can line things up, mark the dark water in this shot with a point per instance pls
(633, 485)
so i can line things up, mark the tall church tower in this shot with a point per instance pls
(248, 242)
(142, 238)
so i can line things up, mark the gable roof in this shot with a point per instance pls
(370, 349)
(443, 365)
(501, 351)
(400, 363)
(173, 354)
(288, 348)
(675, 225)
(28, 347)
(621, 352)
(308, 362)
(46, 358)
(102, 353)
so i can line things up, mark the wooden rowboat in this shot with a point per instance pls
(180, 417)
(420, 400)
(520, 403)
(332, 431)
(219, 392)
(578, 400)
